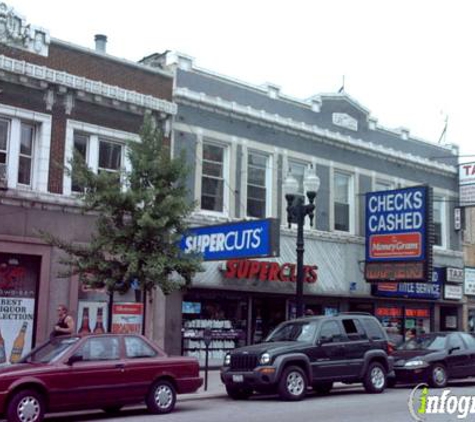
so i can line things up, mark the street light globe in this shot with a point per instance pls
(311, 183)
(291, 186)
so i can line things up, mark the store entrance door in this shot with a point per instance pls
(267, 313)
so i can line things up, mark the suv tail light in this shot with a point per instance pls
(390, 348)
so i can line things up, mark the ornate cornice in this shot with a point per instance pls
(15, 32)
(81, 84)
(324, 135)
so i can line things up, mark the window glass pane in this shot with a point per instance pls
(24, 171)
(80, 144)
(212, 180)
(297, 170)
(469, 340)
(103, 348)
(331, 331)
(135, 347)
(3, 158)
(438, 216)
(213, 153)
(341, 188)
(342, 217)
(380, 185)
(374, 330)
(256, 185)
(212, 169)
(26, 142)
(109, 155)
(3, 135)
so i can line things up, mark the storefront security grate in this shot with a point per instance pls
(243, 362)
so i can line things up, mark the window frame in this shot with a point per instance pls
(267, 183)
(440, 200)
(351, 201)
(226, 176)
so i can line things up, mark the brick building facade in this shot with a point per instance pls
(54, 97)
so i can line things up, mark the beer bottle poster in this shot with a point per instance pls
(92, 317)
(18, 283)
(127, 318)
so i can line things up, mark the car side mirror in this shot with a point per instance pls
(453, 349)
(325, 339)
(74, 358)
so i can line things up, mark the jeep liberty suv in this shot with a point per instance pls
(312, 351)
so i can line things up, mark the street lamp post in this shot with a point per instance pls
(297, 210)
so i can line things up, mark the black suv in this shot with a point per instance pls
(313, 351)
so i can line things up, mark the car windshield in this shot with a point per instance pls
(294, 331)
(50, 351)
(436, 342)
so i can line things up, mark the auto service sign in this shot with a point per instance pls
(397, 223)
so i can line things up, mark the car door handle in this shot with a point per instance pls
(120, 366)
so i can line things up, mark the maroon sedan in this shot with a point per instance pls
(99, 371)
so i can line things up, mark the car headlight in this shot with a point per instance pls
(227, 360)
(265, 359)
(415, 363)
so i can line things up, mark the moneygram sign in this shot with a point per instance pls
(397, 234)
(245, 239)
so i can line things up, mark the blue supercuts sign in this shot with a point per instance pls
(413, 290)
(396, 225)
(244, 239)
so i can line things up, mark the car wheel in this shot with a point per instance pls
(26, 406)
(323, 387)
(112, 409)
(292, 384)
(238, 393)
(438, 376)
(161, 398)
(375, 378)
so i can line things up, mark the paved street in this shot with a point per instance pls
(343, 404)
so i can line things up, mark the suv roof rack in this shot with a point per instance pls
(354, 313)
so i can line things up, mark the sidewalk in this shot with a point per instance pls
(216, 388)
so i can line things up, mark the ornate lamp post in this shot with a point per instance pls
(296, 212)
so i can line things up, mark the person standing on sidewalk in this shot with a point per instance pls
(65, 324)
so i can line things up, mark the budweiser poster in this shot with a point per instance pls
(127, 318)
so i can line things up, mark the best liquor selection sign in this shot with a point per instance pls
(397, 235)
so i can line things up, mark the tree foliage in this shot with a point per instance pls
(139, 221)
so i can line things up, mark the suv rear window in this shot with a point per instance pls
(374, 330)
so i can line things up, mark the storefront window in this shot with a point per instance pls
(398, 320)
(226, 317)
(471, 320)
(19, 275)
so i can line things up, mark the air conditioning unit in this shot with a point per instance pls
(3, 176)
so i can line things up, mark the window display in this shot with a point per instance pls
(225, 319)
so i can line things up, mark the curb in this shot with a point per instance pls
(201, 396)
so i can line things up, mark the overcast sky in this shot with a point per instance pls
(410, 62)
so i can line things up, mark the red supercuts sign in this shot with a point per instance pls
(270, 271)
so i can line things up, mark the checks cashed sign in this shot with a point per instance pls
(397, 235)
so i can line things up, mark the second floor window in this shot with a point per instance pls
(3, 144)
(27, 138)
(99, 154)
(257, 181)
(342, 202)
(439, 218)
(297, 171)
(212, 179)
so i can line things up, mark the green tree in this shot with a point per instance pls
(139, 220)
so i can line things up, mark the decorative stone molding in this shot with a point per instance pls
(404, 133)
(15, 32)
(79, 83)
(333, 138)
(345, 120)
(273, 91)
